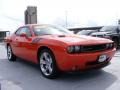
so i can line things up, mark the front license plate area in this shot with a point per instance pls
(102, 58)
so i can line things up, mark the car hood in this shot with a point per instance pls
(76, 39)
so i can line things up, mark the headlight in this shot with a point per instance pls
(70, 49)
(109, 45)
(77, 48)
(73, 49)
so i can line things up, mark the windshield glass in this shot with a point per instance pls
(108, 28)
(50, 30)
(84, 32)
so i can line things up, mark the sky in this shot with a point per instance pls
(77, 13)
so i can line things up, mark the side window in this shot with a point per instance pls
(28, 33)
(18, 32)
(23, 30)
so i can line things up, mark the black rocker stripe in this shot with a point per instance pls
(36, 40)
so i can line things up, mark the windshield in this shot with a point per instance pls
(108, 28)
(50, 30)
(84, 32)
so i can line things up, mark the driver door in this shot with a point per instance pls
(24, 42)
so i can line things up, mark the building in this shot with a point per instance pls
(3, 34)
(31, 15)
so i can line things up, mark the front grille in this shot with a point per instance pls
(101, 36)
(95, 48)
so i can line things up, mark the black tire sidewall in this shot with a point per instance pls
(13, 57)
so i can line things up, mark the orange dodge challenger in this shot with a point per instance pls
(56, 49)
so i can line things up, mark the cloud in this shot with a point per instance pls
(79, 12)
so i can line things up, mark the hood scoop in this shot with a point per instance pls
(61, 35)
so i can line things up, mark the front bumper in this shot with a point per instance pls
(83, 61)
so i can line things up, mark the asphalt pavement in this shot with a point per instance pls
(21, 75)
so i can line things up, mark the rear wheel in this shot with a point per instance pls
(10, 55)
(47, 64)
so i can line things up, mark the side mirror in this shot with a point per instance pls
(23, 35)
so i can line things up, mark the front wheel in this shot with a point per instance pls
(10, 55)
(47, 64)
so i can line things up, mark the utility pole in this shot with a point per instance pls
(66, 18)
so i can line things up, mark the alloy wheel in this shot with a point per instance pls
(46, 63)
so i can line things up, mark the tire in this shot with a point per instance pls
(10, 55)
(47, 64)
(116, 42)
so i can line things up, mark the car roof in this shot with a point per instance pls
(36, 25)
(111, 26)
